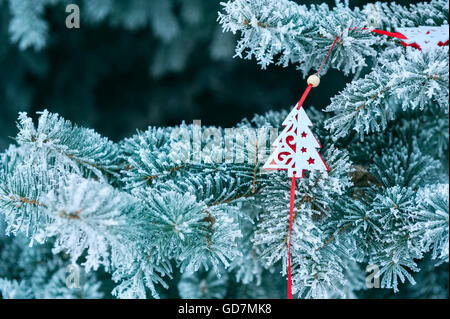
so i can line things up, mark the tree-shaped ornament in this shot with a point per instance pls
(296, 150)
(296, 146)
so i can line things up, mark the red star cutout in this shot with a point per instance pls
(304, 134)
(311, 161)
(303, 149)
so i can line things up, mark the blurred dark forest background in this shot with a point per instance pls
(126, 69)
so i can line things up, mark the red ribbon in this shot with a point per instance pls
(390, 34)
(291, 210)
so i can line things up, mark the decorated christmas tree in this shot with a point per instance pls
(191, 211)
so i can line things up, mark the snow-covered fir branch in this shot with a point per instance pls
(157, 211)
(403, 79)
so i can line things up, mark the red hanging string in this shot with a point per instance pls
(291, 218)
(291, 209)
(300, 103)
(305, 94)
